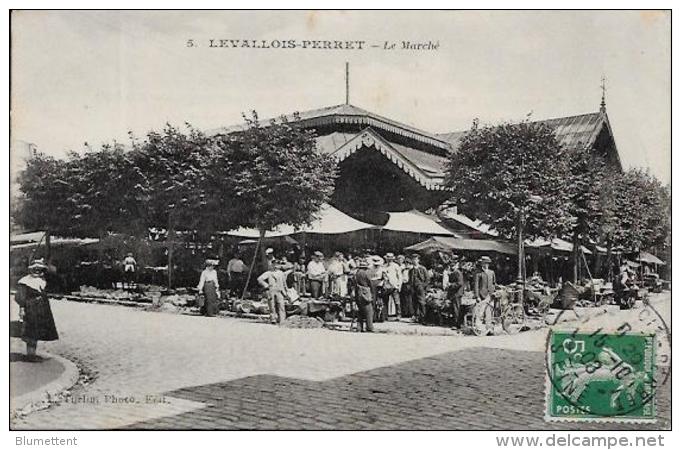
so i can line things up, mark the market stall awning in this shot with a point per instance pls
(448, 244)
(466, 221)
(650, 258)
(632, 264)
(329, 221)
(416, 222)
(24, 238)
(556, 244)
(35, 239)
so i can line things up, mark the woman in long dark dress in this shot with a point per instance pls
(210, 288)
(36, 314)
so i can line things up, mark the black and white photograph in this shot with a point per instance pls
(350, 220)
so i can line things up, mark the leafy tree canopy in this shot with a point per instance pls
(271, 175)
(637, 210)
(500, 171)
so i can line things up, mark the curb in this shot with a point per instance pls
(42, 395)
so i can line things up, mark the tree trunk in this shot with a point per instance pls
(608, 260)
(576, 246)
(521, 258)
(263, 256)
(255, 257)
(100, 264)
(48, 246)
(520, 248)
(171, 242)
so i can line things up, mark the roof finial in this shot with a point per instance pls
(602, 93)
(347, 83)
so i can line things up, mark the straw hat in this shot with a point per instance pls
(377, 260)
(38, 264)
(485, 259)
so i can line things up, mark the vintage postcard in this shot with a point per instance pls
(340, 220)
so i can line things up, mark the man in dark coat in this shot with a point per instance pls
(485, 280)
(453, 279)
(364, 298)
(418, 278)
(485, 285)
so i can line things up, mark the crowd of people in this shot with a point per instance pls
(379, 287)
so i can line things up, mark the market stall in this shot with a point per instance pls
(408, 228)
(450, 244)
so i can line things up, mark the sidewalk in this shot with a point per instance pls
(34, 383)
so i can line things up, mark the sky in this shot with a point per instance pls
(94, 76)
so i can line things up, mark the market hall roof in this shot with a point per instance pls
(420, 154)
(572, 132)
(350, 114)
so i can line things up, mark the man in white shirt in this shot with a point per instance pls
(316, 273)
(275, 282)
(236, 271)
(129, 269)
(392, 283)
(337, 276)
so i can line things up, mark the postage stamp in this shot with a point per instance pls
(601, 376)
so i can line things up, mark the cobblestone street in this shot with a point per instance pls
(167, 371)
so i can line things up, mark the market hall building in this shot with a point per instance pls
(388, 166)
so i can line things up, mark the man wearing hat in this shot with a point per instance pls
(621, 283)
(364, 297)
(269, 257)
(485, 280)
(275, 282)
(35, 312)
(419, 282)
(236, 272)
(453, 285)
(337, 276)
(316, 273)
(485, 285)
(375, 272)
(392, 283)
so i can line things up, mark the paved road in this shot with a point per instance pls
(155, 370)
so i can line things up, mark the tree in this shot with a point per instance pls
(174, 165)
(585, 175)
(265, 176)
(637, 213)
(108, 191)
(46, 200)
(511, 176)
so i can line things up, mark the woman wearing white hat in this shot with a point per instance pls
(36, 314)
(210, 288)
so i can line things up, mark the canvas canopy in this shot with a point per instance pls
(476, 225)
(448, 244)
(556, 244)
(650, 258)
(23, 238)
(415, 222)
(34, 239)
(329, 221)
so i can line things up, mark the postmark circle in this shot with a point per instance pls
(624, 364)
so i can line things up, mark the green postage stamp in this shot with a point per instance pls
(600, 377)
